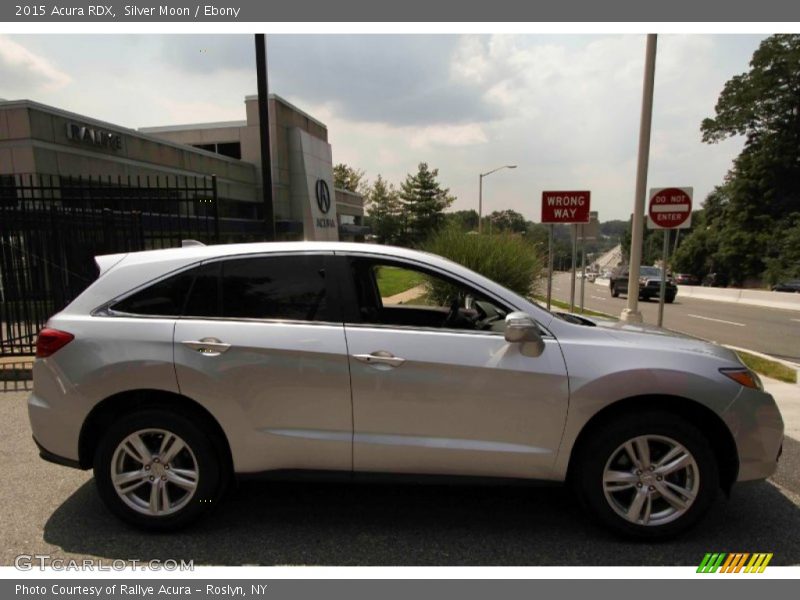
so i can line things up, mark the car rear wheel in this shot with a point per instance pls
(648, 475)
(614, 291)
(158, 470)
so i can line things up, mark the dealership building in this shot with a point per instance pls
(42, 141)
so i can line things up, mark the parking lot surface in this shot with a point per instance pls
(54, 510)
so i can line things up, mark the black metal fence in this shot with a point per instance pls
(52, 227)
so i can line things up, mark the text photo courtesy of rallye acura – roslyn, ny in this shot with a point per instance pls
(138, 590)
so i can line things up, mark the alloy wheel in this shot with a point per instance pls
(154, 472)
(651, 480)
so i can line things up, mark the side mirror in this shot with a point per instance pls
(522, 329)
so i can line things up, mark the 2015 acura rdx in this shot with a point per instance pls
(177, 369)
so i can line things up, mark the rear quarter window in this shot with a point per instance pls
(163, 298)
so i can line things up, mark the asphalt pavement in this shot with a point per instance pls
(48, 509)
(772, 331)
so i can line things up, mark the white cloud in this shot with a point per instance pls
(21, 69)
(564, 108)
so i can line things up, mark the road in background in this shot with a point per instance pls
(772, 331)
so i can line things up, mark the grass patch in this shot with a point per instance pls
(565, 306)
(768, 368)
(393, 280)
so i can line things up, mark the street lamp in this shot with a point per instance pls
(480, 191)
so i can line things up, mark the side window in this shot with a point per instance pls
(390, 293)
(204, 299)
(163, 298)
(275, 287)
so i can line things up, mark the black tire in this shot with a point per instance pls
(669, 299)
(212, 475)
(604, 444)
(614, 291)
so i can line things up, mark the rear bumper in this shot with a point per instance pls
(45, 454)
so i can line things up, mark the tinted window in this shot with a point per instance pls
(204, 299)
(164, 298)
(277, 287)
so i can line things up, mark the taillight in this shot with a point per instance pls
(51, 341)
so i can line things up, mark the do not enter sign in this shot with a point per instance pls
(670, 208)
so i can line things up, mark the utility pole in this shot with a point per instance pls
(631, 313)
(263, 120)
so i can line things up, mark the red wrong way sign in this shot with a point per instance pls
(565, 207)
(670, 208)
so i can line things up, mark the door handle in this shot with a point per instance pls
(207, 346)
(380, 357)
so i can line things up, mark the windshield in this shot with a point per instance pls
(649, 272)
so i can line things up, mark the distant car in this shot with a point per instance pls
(649, 284)
(792, 285)
(686, 279)
(590, 277)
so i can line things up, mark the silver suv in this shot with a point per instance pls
(179, 368)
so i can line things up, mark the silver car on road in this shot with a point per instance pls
(178, 369)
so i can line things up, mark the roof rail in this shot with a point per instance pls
(190, 243)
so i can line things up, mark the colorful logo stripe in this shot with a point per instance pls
(735, 562)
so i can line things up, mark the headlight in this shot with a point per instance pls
(744, 376)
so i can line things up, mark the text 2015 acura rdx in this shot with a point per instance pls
(180, 368)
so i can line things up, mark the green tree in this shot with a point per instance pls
(465, 220)
(384, 210)
(507, 220)
(424, 201)
(350, 179)
(749, 218)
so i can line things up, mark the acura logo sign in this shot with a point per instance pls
(323, 196)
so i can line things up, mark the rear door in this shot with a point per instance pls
(262, 345)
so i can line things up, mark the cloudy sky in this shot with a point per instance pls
(564, 108)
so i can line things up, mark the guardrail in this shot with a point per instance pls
(763, 298)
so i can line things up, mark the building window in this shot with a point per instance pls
(229, 149)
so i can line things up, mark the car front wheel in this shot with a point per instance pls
(158, 470)
(648, 475)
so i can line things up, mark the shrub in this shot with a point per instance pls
(510, 260)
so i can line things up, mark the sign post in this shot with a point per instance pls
(565, 207)
(583, 263)
(550, 267)
(669, 208)
(589, 231)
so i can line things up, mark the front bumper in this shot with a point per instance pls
(757, 427)
(654, 291)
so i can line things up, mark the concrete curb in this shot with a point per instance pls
(764, 298)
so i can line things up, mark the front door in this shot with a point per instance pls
(436, 387)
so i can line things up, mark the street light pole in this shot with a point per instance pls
(480, 192)
(263, 127)
(631, 313)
